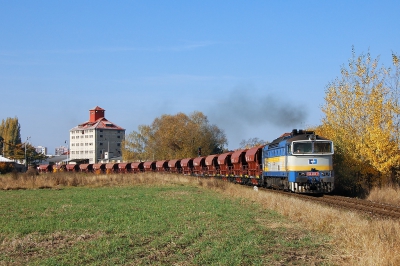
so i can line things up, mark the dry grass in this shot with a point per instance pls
(389, 195)
(59, 180)
(356, 240)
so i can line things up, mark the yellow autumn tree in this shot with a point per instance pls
(134, 145)
(174, 136)
(9, 136)
(361, 115)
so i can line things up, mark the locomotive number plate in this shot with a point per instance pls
(312, 173)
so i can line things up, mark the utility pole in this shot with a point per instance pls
(26, 161)
(67, 142)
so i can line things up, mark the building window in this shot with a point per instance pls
(101, 136)
(118, 136)
(101, 144)
(118, 144)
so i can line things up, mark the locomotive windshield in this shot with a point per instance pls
(323, 147)
(312, 147)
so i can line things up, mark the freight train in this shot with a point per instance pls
(300, 162)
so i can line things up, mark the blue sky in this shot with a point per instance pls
(255, 68)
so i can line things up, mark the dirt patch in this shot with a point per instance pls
(20, 249)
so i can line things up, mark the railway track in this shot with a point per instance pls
(365, 207)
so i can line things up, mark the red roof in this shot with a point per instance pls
(97, 120)
(101, 123)
(97, 108)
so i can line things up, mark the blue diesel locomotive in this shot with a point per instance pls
(299, 161)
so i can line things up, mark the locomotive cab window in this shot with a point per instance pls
(312, 147)
(302, 147)
(323, 147)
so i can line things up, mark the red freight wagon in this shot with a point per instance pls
(187, 166)
(86, 167)
(45, 168)
(137, 167)
(239, 165)
(149, 166)
(59, 168)
(99, 168)
(254, 164)
(212, 165)
(162, 166)
(175, 166)
(199, 165)
(72, 167)
(124, 167)
(225, 165)
(111, 168)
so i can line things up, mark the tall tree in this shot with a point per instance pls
(174, 136)
(10, 135)
(361, 117)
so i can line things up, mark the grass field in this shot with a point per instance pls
(155, 219)
(148, 225)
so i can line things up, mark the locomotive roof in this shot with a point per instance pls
(293, 136)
